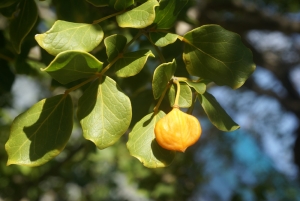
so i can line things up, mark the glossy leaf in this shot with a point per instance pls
(65, 36)
(69, 66)
(22, 24)
(216, 114)
(167, 12)
(162, 39)
(142, 144)
(185, 97)
(104, 112)
(7, 3)
(200, 87)
(99, 3)
(132, 63)
(40, 133)
(214, 53)
(114, 45)
(161, 76)
(139, 17)
(120, 4)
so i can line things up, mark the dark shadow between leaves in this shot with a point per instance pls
(163, 155)
(50, 133)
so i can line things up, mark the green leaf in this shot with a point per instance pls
(132, 63)
(139, 17)
(7, 3)
(185, 96)
(216, 114)
(70, 36)
(161, 76)
(104, 112)
(40, 133)
(69, 66)
(120, 4)
(162, 39)
(22, 24)
(114, 45)
(200, 87)
(98, 3)
(142, 144)
(167, 12)
(214, 53)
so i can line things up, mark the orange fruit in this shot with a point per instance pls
(177, 130)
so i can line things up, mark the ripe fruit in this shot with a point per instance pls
(177, 130)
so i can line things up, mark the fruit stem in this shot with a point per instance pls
(175, 80)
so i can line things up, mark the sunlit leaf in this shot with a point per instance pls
(98, 3)
(161, 76)
(114, 45)
(132, 63)
(214, 53)
(40, 133)
(216, 114)
(142, 144)
(23, 22)
(70, 36)
(185, 97)
(104, 112)
(120, 4)
(167, 12)
(139, 17)
(69, 66)
(200, 87)
(162, 39)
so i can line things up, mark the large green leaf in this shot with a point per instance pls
(114, 46)
(161, 76)
(69, 66)
(132, 63)
(7, 3)
(40, 133)
(214, 53)
(162, 39)
(142, 144)
(185, 96)
(120, 4)
(200, 87)
(216, 114)
(70, 36)
(99, 3)
(139, 17)
(22, 24)
(104, 112)
(167, 12)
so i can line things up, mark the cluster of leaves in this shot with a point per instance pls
(210, 54)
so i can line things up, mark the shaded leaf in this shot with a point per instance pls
(142, 144)
(40, 133)
(98, 3)
(104, 112)
(120, 5)
(69, 66)
(70, 36)
(161, 76)
(132, 63)
(7, 3)
(167, 12)
(139, 17)
(200, 87)
(216, 114)
(114, 46)
(162, 39)
(214, 53)
(185, 97)
(25, 18)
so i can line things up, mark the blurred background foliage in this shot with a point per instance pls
(260, 161)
